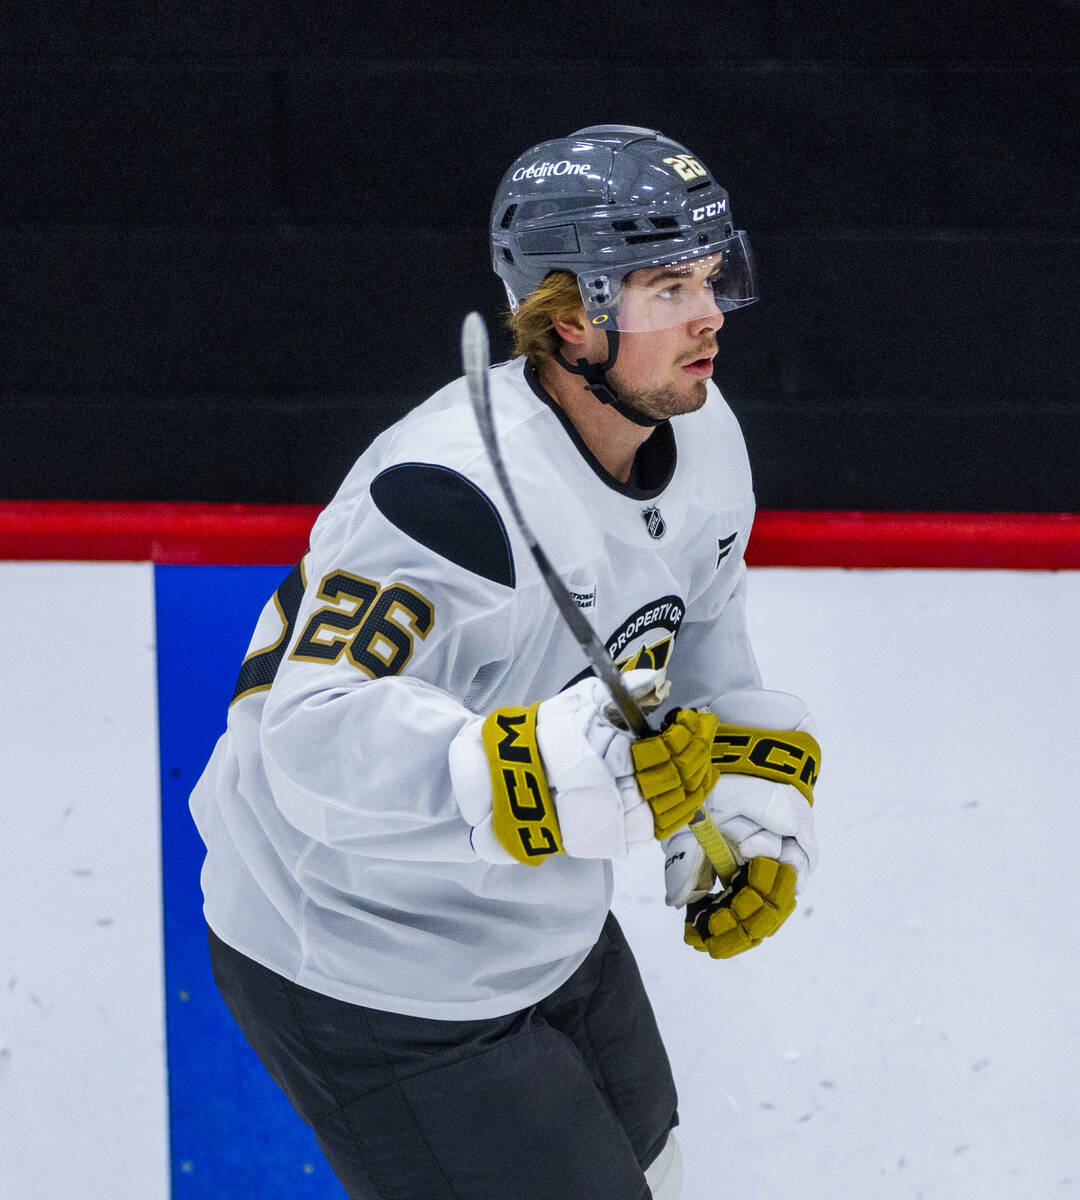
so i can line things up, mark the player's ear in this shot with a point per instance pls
(571, 327)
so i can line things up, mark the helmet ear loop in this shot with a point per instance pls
(595, 376)
(612, 352)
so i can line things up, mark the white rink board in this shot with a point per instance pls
(83, 1108)
(912, 1033)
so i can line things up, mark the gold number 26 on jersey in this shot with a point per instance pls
(372, 625)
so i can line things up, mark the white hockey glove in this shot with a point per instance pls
(559, 777)
(767, 761)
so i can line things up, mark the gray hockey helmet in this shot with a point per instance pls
(610, 201)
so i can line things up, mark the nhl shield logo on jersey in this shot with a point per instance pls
(654, 522)
(645, 639)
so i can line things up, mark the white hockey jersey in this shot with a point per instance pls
(336, 853)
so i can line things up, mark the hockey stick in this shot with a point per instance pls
(476, 358)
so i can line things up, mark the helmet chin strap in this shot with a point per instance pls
(596, 381)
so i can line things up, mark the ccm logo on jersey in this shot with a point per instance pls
(708, 210)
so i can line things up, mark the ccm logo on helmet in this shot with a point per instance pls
(709, 210)
(542, 169)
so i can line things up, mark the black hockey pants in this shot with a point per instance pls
(567, 1100)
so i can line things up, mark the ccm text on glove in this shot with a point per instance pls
(765, 763)
(557, 777)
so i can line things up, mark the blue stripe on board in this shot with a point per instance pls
(233, 1134)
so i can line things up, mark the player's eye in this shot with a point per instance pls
(672, 291)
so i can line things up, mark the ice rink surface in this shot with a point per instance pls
(911, 1034)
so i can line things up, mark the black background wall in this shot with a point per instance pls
(237, 240)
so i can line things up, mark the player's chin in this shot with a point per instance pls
(692, 395)
(680, 396)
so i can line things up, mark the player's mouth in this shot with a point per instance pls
(700, 368)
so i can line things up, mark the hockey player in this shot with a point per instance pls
(412, 815)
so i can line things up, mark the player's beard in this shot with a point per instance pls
(660, 403)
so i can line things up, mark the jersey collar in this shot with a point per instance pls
(654, 464)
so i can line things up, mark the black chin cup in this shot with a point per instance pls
(595, 376)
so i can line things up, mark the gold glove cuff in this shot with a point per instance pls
(523, 813)
(784, 756)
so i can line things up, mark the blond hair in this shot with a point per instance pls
(533, 325)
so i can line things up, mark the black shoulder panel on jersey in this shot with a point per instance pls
(449, 514)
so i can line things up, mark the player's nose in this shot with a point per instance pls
(711, 321)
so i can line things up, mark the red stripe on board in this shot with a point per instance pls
(161, 533)
(1013, 541)
(251, 533)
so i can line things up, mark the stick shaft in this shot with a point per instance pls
(476, 358)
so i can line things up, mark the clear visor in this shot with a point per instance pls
(640, 297)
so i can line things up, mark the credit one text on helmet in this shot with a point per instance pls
(541, 169)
